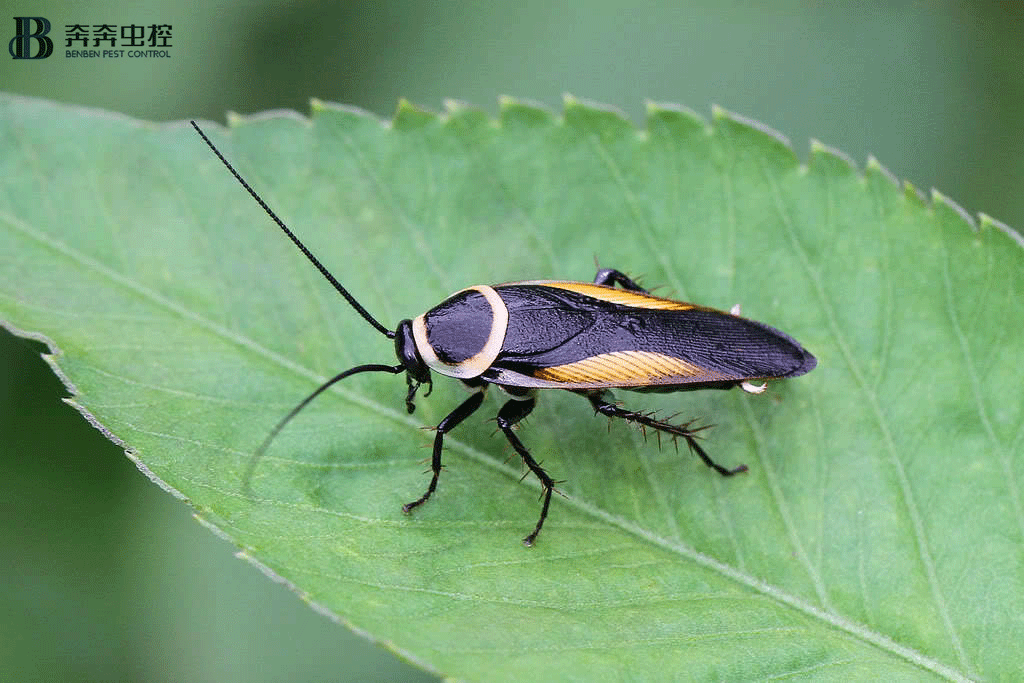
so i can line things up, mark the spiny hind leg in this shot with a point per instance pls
(597, 400)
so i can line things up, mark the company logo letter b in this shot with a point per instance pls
(20, 46)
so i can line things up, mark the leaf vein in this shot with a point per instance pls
(414, 230)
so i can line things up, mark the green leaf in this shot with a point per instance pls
(878, 533)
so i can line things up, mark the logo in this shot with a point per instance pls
(21, 44)
(110, 37)
(91, 41)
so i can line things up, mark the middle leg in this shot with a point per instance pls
(510, 414)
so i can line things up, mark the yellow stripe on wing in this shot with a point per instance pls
(623, 297)
(628, 368)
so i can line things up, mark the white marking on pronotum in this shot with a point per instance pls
(477, 364)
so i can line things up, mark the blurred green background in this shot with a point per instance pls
(105, 576)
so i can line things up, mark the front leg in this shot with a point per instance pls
(609, 277)
(465, 409)
(646, 420)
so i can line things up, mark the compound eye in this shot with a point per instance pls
(405, 349)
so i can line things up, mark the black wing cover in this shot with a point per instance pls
(552, 331)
